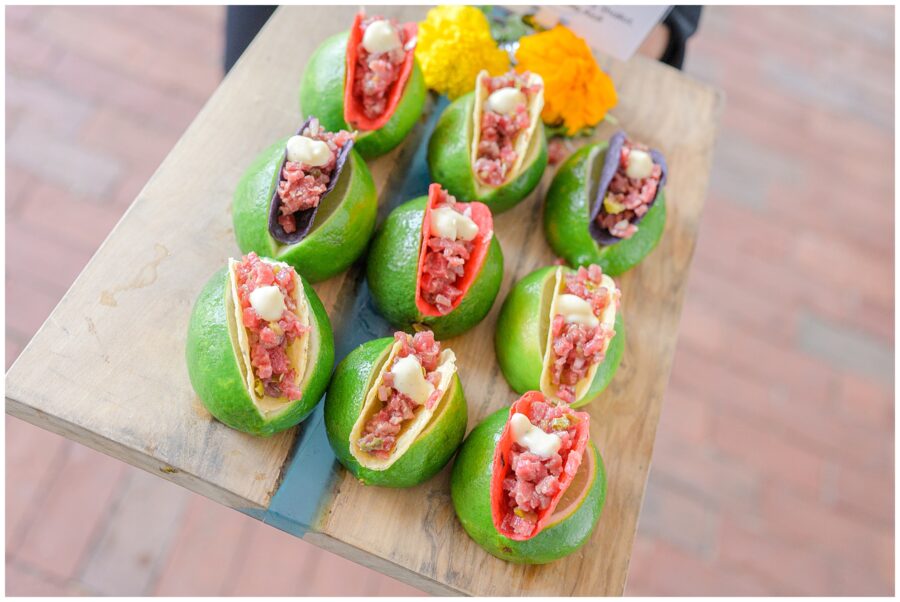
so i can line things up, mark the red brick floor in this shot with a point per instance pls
(773, 471)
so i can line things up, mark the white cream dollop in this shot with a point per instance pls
(640, 165)
(576, 310)
(449, 223)
(380, 36)
(505, 100)
(314, 153)
(533, 438)
(268, 301)
(409, 379)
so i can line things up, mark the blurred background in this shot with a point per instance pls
(773, 470)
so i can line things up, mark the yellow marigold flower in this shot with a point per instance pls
(577, 93)
(454, 44)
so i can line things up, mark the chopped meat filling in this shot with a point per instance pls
(383, 428)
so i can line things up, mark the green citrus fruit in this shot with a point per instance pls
(322, 96)
(521, 337)
(343, 224)
(432, 449)
(568, 529)
(567, 215)
(449, 159)
(392, 271)
(214, 361)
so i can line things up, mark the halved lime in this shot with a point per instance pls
(567, 217)
(521, 337)
(392, 272)
(340, 231)
(217, 367)
(568, 529)
(322, 95)
(449, 159)
(353, 379)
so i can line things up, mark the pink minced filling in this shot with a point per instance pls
(382, 429)
(301, 186)
(634, 195)
(444, 264)
(376, 73)
(558, 150)
(534, 480)
(269, 340)
(577, 347)
(496, 150)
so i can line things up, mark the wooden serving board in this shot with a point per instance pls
(107, 369)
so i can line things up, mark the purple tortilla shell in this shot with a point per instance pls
(610, 165)
(306, 217)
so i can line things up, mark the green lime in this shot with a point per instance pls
(567, 215)
(568, 529)
(215, 363)
(343, 224)
(521, 337)
(392, 271)
(429, 452)
(449, 159)
(322, 96)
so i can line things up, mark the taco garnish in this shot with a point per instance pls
(455, 241)
(313, 161)
(537, 456)
(506, 115)
(582, 324)
(273, 327)
(405, 396)
(630, 182)
(380, 57)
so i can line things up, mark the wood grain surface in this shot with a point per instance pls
(107, 368)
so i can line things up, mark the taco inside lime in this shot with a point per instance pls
(395, 412)
(631, 180)
(606, 205)
(489, 145)
(560, 332)
(259, 346)
(436, 263)
(367, 80)
(528, 485)
(309, 201)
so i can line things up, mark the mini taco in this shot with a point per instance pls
(309, 201)
(606, 205)
(395, 412)
(631, 180)
(368, 80)
(560, 332)
(528, 485)
(490, 145)
(259, 346)
(436, 263)
(582, 325)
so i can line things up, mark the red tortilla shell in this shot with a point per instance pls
(482, 217)
(353, 111)
(502, 459)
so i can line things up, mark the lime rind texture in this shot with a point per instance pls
(519, 339)
(392, 269)
(567, 217)
(470, 490)
(342, 229)
(425, 457)
(214, 368)
(322, 96)
(449, 160)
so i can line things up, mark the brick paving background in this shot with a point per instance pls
(773, 470)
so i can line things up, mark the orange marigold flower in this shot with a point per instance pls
(577, 93)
